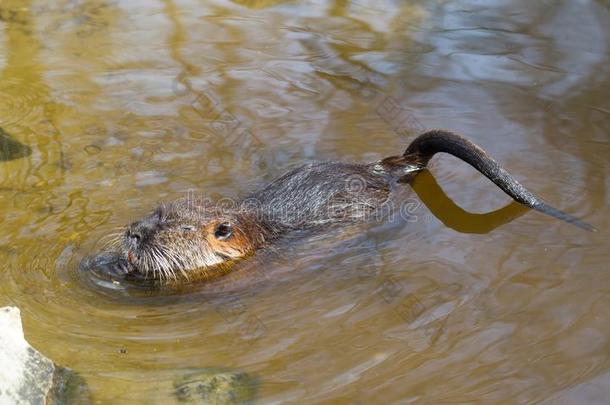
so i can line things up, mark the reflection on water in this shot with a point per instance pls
(453, 216)
(112, 106)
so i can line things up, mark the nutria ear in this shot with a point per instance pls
(223, 231)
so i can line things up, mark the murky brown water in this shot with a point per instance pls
(126, 103)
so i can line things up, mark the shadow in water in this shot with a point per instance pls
(10, 149)
(453, 216)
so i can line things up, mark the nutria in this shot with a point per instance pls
(193, 238)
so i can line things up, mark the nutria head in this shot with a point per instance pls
(186, 238)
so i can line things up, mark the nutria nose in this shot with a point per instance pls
(141, 230)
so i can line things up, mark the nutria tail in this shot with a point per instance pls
(421, 150)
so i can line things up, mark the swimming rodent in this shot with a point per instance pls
(194, 239)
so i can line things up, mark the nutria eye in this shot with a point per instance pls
(223, 231)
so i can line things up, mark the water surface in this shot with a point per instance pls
(118, 105)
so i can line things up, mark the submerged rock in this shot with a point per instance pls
(11, 149)
(213, 386)
(206, 385)
(26, 376)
